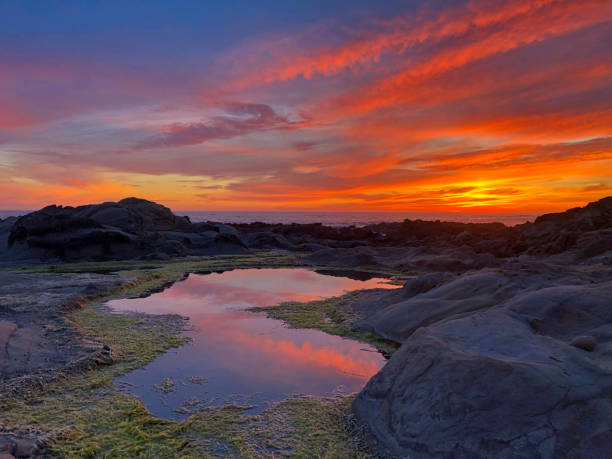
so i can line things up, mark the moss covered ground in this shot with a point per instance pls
(84, 415)
(332, 315)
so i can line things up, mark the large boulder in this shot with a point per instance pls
(459, 296)
(506, 381)
(129, 228)
(134, 216)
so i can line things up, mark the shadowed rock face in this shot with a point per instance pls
(135, 227)
(513, 362)
(130, 228)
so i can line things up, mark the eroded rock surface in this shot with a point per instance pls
(34, 336)
(506, 363)
(130, 228)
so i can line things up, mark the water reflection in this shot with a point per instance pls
(241, 352)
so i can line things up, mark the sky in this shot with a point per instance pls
(428, 105)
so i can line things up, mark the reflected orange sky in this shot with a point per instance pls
(244, 352)
(472, 106)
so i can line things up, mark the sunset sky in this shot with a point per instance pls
(307, 105)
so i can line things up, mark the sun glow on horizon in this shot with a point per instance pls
(471, 106)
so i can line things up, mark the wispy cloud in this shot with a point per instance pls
(445, 105)
(240, 119)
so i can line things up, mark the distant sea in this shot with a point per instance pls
(352, 218)
(336, 218)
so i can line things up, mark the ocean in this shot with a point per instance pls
(337, 218)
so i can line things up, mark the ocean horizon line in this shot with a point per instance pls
(336, 218)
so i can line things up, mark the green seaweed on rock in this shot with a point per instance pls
(332, 315)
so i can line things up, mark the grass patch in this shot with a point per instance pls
(332, 315)
(212, 262)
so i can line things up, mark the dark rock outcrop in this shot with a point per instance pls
(420, 246)
(514, 362)
(510, 361)
(136, 227)
(130, 228)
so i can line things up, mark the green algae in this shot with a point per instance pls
(332, 315)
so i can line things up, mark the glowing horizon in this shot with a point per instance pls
(440, 106)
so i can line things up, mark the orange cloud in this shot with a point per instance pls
(498, 106)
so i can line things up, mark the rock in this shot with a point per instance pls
(359, 256)
(135, 216)
(15, 445)
(6, 445)
(201, 227)
(424, 283)
(25, 447)
(311, 247)
(226, 229)
(444, 244)
(462, 295)
(598, 446)
(7, 330)
(130, 228)
(5, 228)
(587, 343)
(463, 236)
(35, 337)
(267, 240)
(500, 381)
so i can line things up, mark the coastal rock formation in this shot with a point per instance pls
(130, 228)
(572, 236)
(503, 382)
(134, 228)
(508, 362)
(35, 337)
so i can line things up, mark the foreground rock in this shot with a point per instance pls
(35, 337)
(513, 362)
(130, 228)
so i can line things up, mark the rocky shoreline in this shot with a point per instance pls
(505, 332)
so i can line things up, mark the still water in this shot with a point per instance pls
(243, 356)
